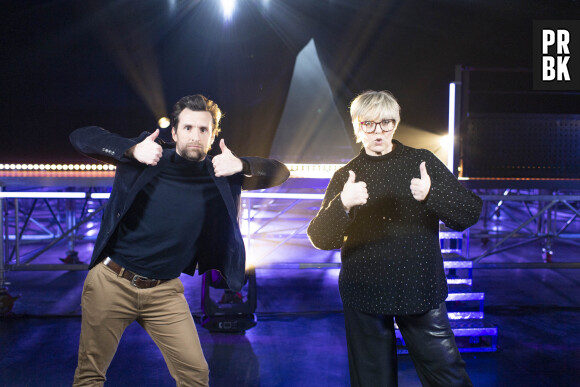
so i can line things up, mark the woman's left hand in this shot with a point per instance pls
(420, 187)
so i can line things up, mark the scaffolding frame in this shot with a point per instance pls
(50, 219)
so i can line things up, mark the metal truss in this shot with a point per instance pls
(280, 220)
(513, 218)
(510, 218)
(34, 222)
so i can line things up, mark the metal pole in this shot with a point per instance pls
(70, 223)
(249, 225)
(2, 277)
(16, 232)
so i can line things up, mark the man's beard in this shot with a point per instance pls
(193, 154)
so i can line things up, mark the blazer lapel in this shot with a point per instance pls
(145, 177)
(224, 188)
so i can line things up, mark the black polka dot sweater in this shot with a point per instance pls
(391, 256)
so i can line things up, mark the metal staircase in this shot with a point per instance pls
(464, 306)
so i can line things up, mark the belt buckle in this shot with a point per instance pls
(136, 277)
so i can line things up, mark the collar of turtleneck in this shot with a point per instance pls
(397, 149)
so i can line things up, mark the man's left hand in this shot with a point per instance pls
(226, 164)
(420, 187)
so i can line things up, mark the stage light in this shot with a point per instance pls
(91, 233)
(228, 7)
(444, 141)
(164, 122)
(451, 127)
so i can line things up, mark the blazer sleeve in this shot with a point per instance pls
(328, 228)
(263, 173)
(102, 145)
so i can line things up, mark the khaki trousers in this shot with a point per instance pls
(110, 303)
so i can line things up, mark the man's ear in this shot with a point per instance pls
(173, 134)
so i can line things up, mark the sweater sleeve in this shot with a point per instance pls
(328, 228)
(454, 205)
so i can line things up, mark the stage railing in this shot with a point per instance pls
(509, 219)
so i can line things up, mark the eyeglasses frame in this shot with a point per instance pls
(391, 122)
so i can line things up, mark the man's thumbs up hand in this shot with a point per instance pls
(147, 151)
(226, 164)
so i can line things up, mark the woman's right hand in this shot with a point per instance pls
(353, 193)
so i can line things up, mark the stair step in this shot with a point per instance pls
(465, 315)
(458, 264)
(470, 336)
(455, 261)
(465, 306)
(450, 234)
(459, 281)
(465, 296)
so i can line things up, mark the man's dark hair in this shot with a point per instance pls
(197, 102)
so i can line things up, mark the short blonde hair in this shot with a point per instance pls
(374, 105)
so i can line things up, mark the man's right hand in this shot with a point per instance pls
(353, 193)
(147, 151)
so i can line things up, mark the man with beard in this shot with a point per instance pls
(171, 209)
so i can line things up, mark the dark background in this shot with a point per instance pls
(123, 64)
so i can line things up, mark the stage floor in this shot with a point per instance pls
(299, 338)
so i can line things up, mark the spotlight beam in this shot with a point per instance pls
(228, 7)
(130, 46)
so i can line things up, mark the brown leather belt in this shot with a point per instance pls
(136, 280)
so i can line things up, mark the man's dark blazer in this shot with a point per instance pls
(220, 245)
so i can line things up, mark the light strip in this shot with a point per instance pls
(451, 128)
(257, 195)
(57, 167)
(104, 195)
(77, 167)
(313, 171)
(100, 195)
(314, 167)
(43, 195)
(316, 171)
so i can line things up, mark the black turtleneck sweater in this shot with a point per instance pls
(157, 237)
(391, 257)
